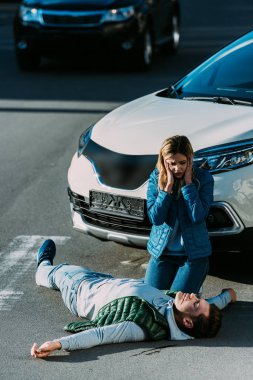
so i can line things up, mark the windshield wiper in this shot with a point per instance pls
(219, 99)
(174, 91)
(242, 102)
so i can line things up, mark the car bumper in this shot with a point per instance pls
(229, 222)
(224, 243)
(61, 41)
(233, 238)
(79, 224)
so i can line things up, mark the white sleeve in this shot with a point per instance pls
(221, 301)
(118, 333)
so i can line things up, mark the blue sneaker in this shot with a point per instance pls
(46, 252)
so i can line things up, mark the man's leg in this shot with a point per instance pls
(191, 275)
(63, 277)
(161, 272)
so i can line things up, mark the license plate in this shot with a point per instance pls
(117, 205)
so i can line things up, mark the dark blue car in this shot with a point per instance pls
(66, 28)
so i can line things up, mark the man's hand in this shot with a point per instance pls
(232, 294)
(45, 349)
(188, 172)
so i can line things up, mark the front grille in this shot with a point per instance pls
(72, 19)
(217, 219)
(110, 222)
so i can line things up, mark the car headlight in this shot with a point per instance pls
(119, 14)
(83, 140)
(225, 157)
(30, 14)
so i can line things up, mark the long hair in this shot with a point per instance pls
(172, 145)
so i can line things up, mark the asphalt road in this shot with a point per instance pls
(42, 115)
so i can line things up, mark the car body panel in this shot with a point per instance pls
(122, 129)
(79, 4)
(236, 190)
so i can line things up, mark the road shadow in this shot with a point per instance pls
(235, 267)
(236, 331)
(95, 353)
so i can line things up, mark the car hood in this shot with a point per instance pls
(139, 127)
(79, 4)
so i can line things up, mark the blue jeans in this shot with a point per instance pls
(65, 278)
(177, 273)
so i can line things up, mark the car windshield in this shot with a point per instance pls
(229, 73)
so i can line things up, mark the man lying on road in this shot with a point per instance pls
(123, 310)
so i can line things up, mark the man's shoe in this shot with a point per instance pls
(46, 252)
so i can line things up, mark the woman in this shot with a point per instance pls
(178, 200)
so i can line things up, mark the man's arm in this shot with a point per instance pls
(224, 298)
(119, 333)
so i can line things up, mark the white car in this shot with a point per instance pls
(212, 106)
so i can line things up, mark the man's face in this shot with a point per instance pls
(191, 305)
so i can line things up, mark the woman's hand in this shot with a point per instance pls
(45, 349)
(170, 178)
(188, 172)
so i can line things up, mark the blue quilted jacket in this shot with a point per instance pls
(191, 210)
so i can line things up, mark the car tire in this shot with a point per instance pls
(172, 45)
(143, 53)
(27, 60)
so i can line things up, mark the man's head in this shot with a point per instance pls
(195, 316)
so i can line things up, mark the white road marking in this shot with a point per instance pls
(59, 104)
(7, 297)
(136, 262)
(16, 260)
(127, 262)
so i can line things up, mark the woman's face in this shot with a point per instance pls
(177, 164)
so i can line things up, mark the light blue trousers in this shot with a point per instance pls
(67, 279)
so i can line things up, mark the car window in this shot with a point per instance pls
(228, 73)
(235, 73)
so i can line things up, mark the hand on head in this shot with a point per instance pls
(188, 172)
(170, 177)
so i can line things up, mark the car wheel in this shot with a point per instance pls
(172, 45)
(27, 60)
(143, 54)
